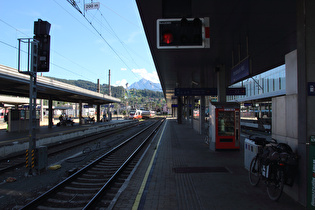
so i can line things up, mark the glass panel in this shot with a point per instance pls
(226, 122)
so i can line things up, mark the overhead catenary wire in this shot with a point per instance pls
(26, 35)
(91, 17)
(73, 3)
(109, 45)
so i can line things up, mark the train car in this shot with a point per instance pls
(135, 115)
(145, 113)
(152, 113)
(3, 112)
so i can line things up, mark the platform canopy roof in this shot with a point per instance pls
(262, 31)
(17, 84)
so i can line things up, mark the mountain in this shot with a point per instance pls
(146, 84)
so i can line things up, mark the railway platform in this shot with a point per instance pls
(14, 142)
(180, 172)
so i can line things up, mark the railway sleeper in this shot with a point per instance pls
(128, 170)
(93, 180)
(96, 176)
(49, 208)
(65, 204)
(71, 196)
(95, 171)
(100, 167)
(123, 176)
(121, 179)
(115, 186)
(110, 164)
(108, 198)
(88, 184)
(80, 189)
(65, 195)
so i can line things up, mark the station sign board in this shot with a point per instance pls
(236, 91)
(208, 91)
(240, 71)
(106, 106)
(196, 91)
(248, 104)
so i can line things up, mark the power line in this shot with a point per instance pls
(10, 45)
(13, 27)
(73, 3)
(97, 31)
(126, 19)
(5, 43)
(49, 62)
(113, 33)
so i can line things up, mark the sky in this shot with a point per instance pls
(82, 46)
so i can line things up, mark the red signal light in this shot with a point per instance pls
(168, 37)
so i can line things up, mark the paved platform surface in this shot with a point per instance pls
(180, 172)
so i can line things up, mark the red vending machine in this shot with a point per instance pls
(224, 125)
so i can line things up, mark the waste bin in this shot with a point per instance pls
(250, 151)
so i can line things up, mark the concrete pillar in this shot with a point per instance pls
(221, 86)
(80, 113)
(191, 109)
(98, 115)
(179, 109)
(50, 114)
(187, 107)
(41, 110)
(202, 114)
(305, 75)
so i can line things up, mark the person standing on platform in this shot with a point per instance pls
(6, 120)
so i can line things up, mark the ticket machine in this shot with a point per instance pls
(224, 125)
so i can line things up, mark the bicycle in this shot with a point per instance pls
(272, 165)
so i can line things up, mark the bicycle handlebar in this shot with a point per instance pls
(262, 140)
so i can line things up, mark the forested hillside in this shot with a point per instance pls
(135, 98)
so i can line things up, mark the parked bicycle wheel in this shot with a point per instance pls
(207, 139)
(275, 185)
(255, 171)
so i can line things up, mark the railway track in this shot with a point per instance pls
(18, 160)
(94, 185)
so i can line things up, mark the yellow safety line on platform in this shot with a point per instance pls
(14, 140)
(145, 179)
(44, 135)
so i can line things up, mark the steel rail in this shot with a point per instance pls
(19, 159)
(106, 185)
(37, 201)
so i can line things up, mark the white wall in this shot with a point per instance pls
(285, 114)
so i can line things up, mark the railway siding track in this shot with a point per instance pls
(97, 183)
